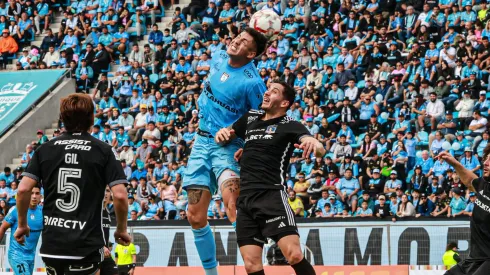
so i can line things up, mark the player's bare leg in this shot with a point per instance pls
(291, 249)
(199, 200)
(252, 258)
(230, 189)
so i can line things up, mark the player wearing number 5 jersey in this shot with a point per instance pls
(21, 257)
(232, 88)
(74, 170)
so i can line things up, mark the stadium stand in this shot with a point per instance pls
(386, 85)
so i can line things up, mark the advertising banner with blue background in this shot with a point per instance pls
(19, 90)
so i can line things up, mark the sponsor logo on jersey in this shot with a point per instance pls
(251, 119)
(224, 77)
(60, 222)
(271, 129)
(286, 119)
(281, 225)
(209, 94)
(482, 205)
(258, 137)
(483, 195)
(248, 73)
(75, 144)
(33, 217)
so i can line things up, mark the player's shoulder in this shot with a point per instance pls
(221, 54)
(287, 120)
(12, 210)
(251, 74)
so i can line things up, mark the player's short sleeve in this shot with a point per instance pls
(33, 169)
(240, 126)
(479, 184)
(256, 94)
(11, 217)
(132, 249)
(114, 173)
(297, 130)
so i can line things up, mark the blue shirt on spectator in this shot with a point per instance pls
(348, 185)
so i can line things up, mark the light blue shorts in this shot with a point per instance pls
(21, 266)
(207, 161)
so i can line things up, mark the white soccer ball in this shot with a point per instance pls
(266, 22)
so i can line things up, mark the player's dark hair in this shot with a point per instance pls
(288, 92)
(486, 152)
(259, 39)
(77, 112)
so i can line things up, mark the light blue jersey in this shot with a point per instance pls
(228, 93)
(21, 257)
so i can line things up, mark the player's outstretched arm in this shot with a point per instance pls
(23, 199)
(224, 136)
(311, 145)
(120, 195)
(465, 175)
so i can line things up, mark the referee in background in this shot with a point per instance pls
(125, 258)
(262, 208)
(478, 262)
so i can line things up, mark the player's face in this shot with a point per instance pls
(273, 98)
(486, 167)
(35, 196)
(243, 46)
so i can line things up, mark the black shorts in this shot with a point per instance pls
(86, 266)
(471, 267)
(124, 269)
(263, 214)
(108, 267)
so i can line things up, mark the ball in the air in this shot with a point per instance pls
(266, 22)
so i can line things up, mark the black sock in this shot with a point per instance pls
(261, 272)
(303, 268)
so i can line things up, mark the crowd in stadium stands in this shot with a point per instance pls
(385, 85)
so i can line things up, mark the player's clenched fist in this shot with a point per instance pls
(122, 238)
(224, 136)
(20, 233)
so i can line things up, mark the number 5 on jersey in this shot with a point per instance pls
(67, 187)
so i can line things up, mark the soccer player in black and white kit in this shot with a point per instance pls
(262, 207)
(108, 266)
(478, 262)
(74, 170)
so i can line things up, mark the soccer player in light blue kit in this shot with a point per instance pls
(232, 89)
(21, 257)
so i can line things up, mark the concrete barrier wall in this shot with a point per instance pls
(40, 117)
